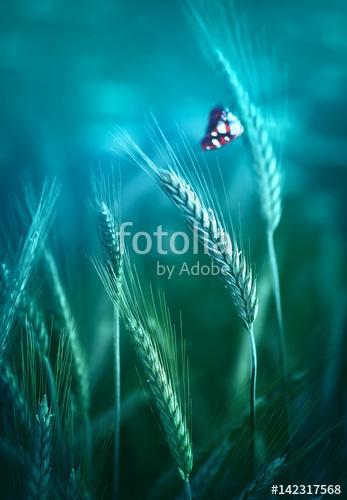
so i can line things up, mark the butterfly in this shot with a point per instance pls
(223, 127)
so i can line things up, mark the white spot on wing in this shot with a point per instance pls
(221, 127)
(236, 129)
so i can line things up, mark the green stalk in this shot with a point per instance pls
(278, 302)
(252, 394)
(117, 398)
(281, 337)
(187, 490)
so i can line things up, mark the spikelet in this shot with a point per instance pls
(105, 192)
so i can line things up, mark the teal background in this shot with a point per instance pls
(70, 71)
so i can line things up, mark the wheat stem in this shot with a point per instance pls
(253, 387)
(278, 302)
(282, 342)
(117, 399)
(187, 490)
(107, 225)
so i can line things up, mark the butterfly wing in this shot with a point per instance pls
(223, 127)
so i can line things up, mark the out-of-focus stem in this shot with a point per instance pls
(281, 337)
(117, 399)
(187, 490)
(252, 394)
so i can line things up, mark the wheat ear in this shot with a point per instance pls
(164, 397)
(204, 220)
(41, 465)
(28, 311)
(74, 490)
(222, 28)
(267, 169)
(108, 231)
(78, 362)
(79, 368)
(32, 315)
(158, 363)
(226, 254)
(11, 394)
(28, 256)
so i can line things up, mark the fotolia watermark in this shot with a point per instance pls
(178, 242)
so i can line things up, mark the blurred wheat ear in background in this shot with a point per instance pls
(28, 257)
(106, 204)
(80, 372)
(233, 53)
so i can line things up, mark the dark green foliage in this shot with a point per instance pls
(80, 374)
(262, 483)
(29, 254)
(74, 489)
(12, 398)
